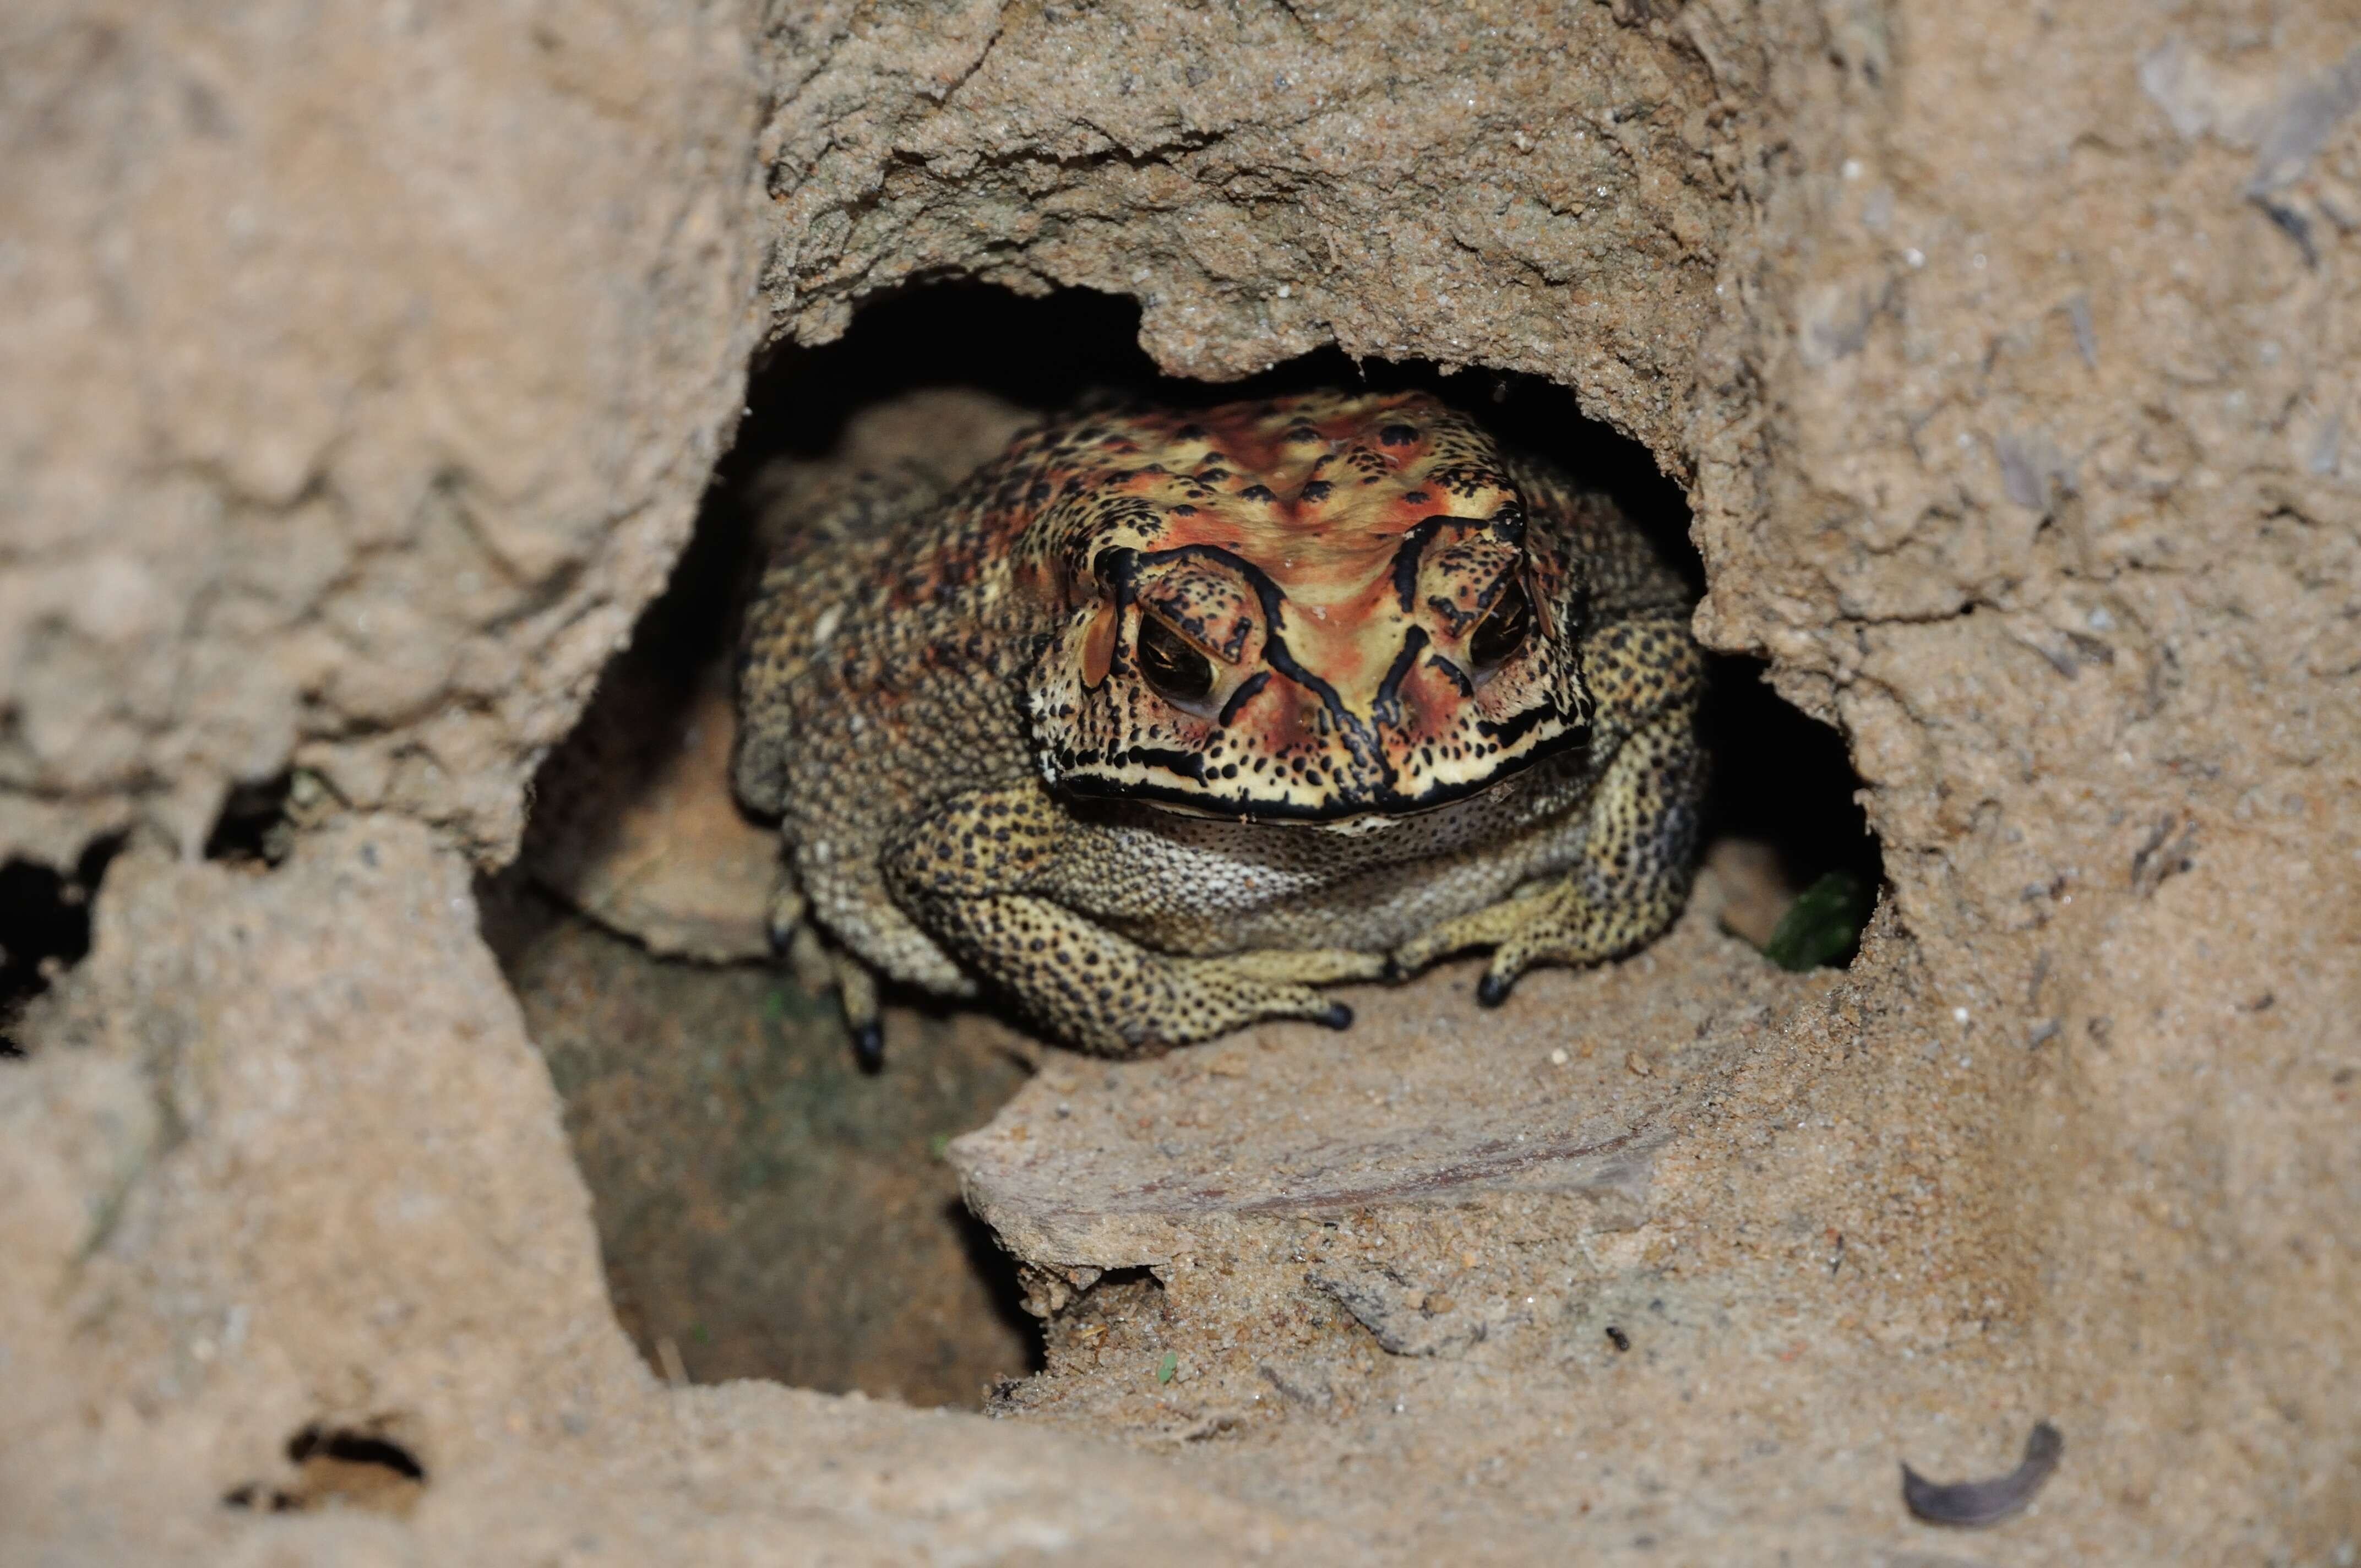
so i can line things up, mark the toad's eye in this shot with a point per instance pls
(1505, 629)
(1170, 665)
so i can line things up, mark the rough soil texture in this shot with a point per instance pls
(1528, 188)
(289, 1160)
(366, 365)
(369, 367)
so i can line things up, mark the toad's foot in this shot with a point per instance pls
(1105, 993)
(1628, 885)
(1555, 923)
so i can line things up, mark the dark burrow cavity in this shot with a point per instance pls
(765, 1208)
(45, 913)
(44, 931)
(338, 1466)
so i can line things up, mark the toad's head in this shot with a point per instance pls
(1326, 609)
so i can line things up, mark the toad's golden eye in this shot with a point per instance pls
(1505, 629)
(1170, 665)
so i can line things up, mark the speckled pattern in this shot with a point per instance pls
(1165, 719)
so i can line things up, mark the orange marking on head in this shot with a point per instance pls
(1098, 646)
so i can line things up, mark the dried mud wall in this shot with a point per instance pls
(366, 368)
(2058, 518)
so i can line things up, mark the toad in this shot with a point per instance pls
(1166, 720)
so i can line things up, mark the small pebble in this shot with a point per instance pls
(1639, 1064)
(1558, 1056)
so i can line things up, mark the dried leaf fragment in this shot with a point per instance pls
(1976, 1503)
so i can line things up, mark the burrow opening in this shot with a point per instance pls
(46, 914)
(45, 929)
(766, 1209)
(361, 1468)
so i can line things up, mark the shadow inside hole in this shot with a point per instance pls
(354, 1448)
(992, 1265)
(342, 1467)
(253, 827)
(44, 929)
(1783, 780)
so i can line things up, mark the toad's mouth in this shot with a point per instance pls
(1347, 812)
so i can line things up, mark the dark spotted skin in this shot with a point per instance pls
(1164, 720)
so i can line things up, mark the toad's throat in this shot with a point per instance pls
(1362, 809)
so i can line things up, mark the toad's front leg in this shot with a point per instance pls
(969, 874)
(1639, 841)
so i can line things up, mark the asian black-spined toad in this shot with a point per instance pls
(1165, 719)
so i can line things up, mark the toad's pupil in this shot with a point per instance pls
(1505, 629)
(1171, 666)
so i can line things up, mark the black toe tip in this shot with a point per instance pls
(1492, 990)
(781, 938)
(1338, 1016)
(869, 1047)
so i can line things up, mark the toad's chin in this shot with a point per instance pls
(1351, 816)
